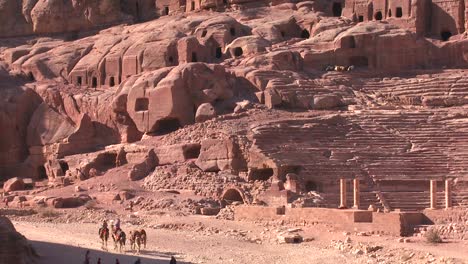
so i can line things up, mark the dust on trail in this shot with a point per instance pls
(67, 243)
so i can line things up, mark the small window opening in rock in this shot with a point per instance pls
(79, 80)
(232, 195)
(41, 173)
(192, 6)
(94, 82)
(194, 57)
(170, 59)
(238, 52)
(361, 18)
(261, 174)
(166, 10)
(337, 8)
(31, 77)
(378, 16)
(445, 35)
(233, 31)
(305, 34)
(111, 82)
(283, 34)
(192, 152)
(219, 53)
(141, 104)
(166, 126)
(63, 166)
(225, 2)
(204, 33)
(389, 13)
(399, 12)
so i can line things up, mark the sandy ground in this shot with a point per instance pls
(67, 243)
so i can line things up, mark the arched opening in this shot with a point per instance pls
(192, 6)
(337, 9)
(261, 174)
(305, 34)
(359, 61)
(166, 10)
(111, 82)
(311, 186)
(219, 53)
(232, 31)
(378, 16)
(79, 80)
(194, 57)
(192, 151)
(445, 35)
(41, 173)
(94, 82)
(361, 18)
(389, 12)
(399, 12)
(238, 52)
(166, 126)
(63, 166)
(141, 104)
(232, 195)
(204, 33)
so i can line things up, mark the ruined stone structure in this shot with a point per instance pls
(324, 104)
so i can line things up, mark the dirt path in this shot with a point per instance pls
(60, 243)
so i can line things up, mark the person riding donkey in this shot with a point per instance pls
(104, 233)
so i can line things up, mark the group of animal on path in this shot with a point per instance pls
(137, 238)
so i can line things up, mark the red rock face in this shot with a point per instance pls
(263, 89)
(14, 247)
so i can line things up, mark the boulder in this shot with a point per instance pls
(143, 169)
(219, 154)
(73, 202)
(209, 211)
(325, 102)
(205, 112)
(177, 153)
(13, 184)
(290, 238)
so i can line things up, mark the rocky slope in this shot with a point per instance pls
(227, 100)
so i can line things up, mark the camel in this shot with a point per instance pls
(135, 240)
(104, 235)
(119, 238)
(143, 237)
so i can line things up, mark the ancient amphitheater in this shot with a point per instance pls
(349, 113)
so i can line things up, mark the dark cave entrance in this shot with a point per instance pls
(41, 173)
(445, 35)
(337, 9)
(166, 126)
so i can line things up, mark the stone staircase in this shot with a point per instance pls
(376, 146)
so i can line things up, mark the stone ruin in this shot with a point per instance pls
(292, 104)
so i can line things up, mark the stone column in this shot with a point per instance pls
(343, 203)
(433, 192)
(357, 201)
(448, 194)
